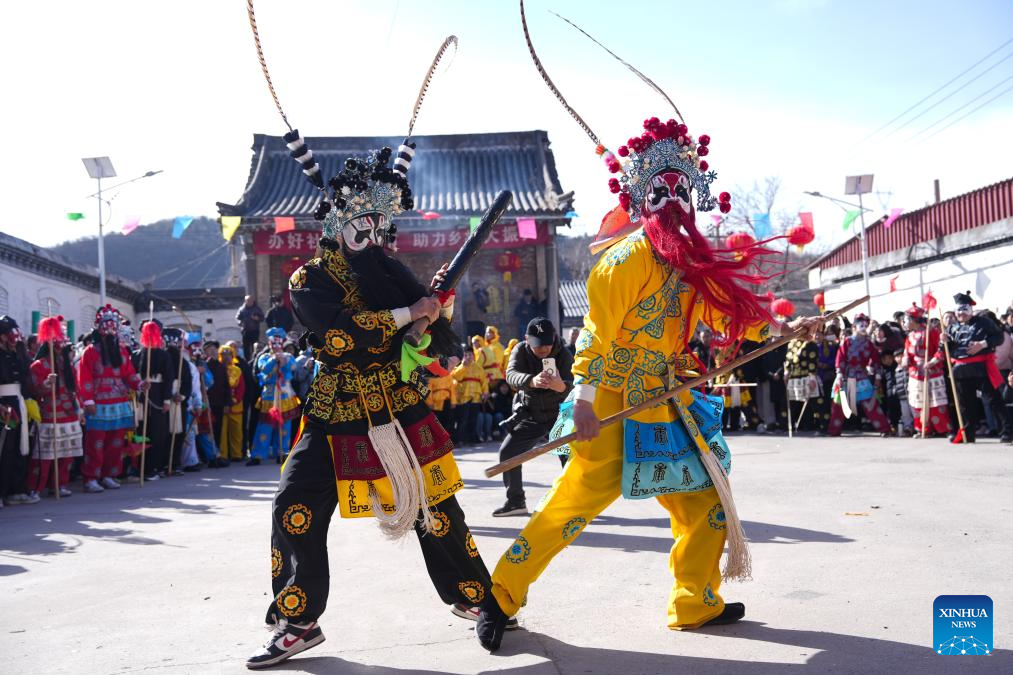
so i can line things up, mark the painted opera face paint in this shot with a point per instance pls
(963, 313)
(666, 188)
(861, 327)
(366, 230)
(108, 327)
(276, 343)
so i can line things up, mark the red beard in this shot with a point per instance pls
(723, 279)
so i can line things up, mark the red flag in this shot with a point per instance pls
(929, 300)
(893, 283)
(283, 224)
(806, 219)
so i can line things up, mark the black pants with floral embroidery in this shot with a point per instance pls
(303, 507)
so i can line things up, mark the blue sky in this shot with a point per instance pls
(786, 88)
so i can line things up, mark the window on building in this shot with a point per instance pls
(4, 301)
(88, 316)
(47, 305)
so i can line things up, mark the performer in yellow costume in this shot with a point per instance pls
(657, 281)
(494, 369)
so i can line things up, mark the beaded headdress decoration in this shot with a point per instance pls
(362, 188)
(662, 147)
(107, 313)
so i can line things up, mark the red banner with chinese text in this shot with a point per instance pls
(303, 242)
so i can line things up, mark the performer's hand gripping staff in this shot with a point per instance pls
(588, 425)
(448, 278)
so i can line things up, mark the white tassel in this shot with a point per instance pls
(406, 479)
(739, 564)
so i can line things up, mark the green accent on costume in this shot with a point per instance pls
(412, 357)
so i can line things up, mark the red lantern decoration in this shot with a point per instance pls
(508, 262)
(800, 235)
(782, 307)
(739, 240)
(819, 301)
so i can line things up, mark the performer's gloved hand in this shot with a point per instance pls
(428, 307)
(144, 386)
(586, 423)
(51, 380)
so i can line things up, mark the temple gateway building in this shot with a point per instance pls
(454, 178)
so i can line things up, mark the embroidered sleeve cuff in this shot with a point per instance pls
(584, 392)
(402, 316)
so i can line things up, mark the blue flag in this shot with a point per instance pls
(179, 226)
(761, 225)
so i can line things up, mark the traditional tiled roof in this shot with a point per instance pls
(453, 175)
(573, 295)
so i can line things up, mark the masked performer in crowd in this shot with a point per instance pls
(105, 377)
(60, 439)
(973, 339)
(152, 362)
(920, 357)
(278, 404)
(368, 444)
(857, 365)
(15, 387)
(658, 280)
(804, 396)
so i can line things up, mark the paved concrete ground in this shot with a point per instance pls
(852, 540)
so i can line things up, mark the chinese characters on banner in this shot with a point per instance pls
(304, 242)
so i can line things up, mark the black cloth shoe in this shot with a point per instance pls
(733, 612)
(287, 640)
(193, 468)
(492, 622)
(472, 614)
(509, 509)
(253, 461)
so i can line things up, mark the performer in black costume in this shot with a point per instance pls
(973, 339)
(368, 444)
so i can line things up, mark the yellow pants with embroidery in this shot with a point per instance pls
(589, 483)
(231, 443)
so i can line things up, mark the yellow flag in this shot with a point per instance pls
(229, 226)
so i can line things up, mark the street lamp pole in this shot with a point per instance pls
(101, 251)
(99, 168)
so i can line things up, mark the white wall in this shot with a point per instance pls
(22, 292)
(988, 274)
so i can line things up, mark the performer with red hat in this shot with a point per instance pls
(105, 377)
(922, 362)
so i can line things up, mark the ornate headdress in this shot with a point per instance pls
(107, 313)
(662, 147)
(964, 300)
(363, 188)
(915, 312)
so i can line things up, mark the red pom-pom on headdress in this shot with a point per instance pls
(51, 330)
(782, 307)
(151, 335)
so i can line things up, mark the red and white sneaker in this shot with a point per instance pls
(287, 640)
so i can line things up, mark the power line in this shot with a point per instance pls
(948, 83)
(954, 112)
(974, 110)
(948, 96)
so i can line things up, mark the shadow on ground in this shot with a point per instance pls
(820, 652)
(59, 527)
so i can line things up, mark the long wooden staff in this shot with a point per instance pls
(949, 369)
(147, 395)
(56, 460)
(179, 384)
(925, 382)
(670, 394)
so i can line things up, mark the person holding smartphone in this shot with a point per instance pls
(539, 370)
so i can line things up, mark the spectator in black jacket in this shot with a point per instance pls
(536, 405)
(249, 317)
(279, 316)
